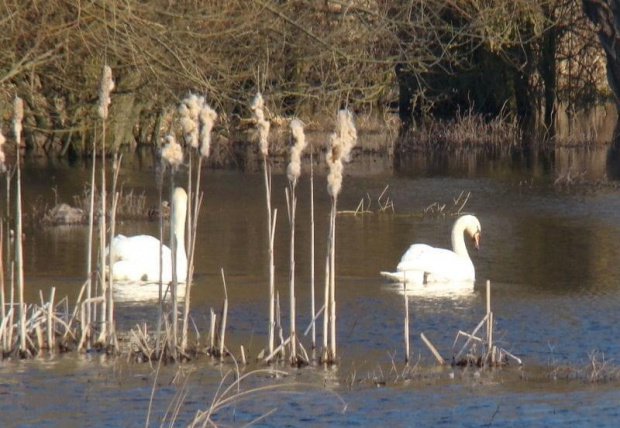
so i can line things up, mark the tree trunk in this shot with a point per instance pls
(605, 14)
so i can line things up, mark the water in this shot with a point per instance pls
(549, 252)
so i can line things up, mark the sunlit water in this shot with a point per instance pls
(550, 254)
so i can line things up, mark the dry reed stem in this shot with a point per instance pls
(489, 323)
(2, 295)
(224, 319)
(50, 320)
(312, 291)
(433, 350)
(407, 349)
(473, 334)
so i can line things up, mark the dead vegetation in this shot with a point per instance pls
(467, 130)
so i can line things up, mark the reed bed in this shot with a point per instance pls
(468, 129)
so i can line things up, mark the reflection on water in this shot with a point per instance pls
(438, 290)
(551, 257)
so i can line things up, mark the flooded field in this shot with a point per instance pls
(550, 252)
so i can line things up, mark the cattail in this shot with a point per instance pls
(107, 85)
(189, 111)
(207, 120)
(293, 170)
(2, 156)
(257, 107)
(18, 118)
(341, 142)
(172, 152)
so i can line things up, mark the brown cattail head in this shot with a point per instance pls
(257, 106)
(172, 153)
(106, 87)
(341, 142)
(293, 170)
(207, 120)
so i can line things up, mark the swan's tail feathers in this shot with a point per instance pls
(394, 276)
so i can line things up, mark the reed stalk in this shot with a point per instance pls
(110, 295)
(263, 125)
(160, 298)
(489, 322)
(224, 319)
(18, 116)
(332, 282)
(293, 173)
(11, 314)
(326, 305)
(106, 87)
(91, 221)
(407, 349)
(197, 121)
(433, 350)
(293, 330)
(341, 143)
(312, 279)
(50, 320)
(175, 282)
(3, 316)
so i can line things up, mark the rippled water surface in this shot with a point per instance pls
(550, 252)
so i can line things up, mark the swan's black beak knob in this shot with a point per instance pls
(476, 239)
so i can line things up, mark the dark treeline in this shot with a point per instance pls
(420, 59)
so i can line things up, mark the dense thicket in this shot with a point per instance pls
(420, 57)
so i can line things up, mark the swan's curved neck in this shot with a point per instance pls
(179, 228)
(458, 240)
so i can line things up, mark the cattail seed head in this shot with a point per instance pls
(263, 125)
(106, 87)
(172, 153)
(18, 118)
(189, 110)
(207, 120)
(293, 170)
(2, 155)
(341, 142)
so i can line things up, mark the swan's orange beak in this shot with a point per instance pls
(476, 239)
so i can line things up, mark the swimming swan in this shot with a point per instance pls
(424, 264)
(136, 258)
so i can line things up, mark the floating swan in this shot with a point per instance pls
(423, 264)
(136, 258)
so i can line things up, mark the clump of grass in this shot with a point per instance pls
(467, 129)
(454, 209)
(385, 204)
(596, 370)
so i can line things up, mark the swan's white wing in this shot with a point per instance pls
(137, 259)
(423, 263)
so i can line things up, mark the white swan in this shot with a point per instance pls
(136, 258)
(423, 264)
